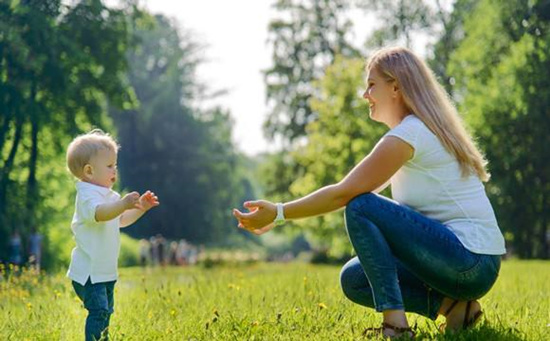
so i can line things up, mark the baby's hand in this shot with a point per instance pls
(147, 201)
(131, 200)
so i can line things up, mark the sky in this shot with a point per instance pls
(235, 35)
(236, 52)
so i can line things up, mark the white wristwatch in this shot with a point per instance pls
(280, 218)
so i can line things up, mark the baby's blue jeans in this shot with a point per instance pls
(408, 261)
(98, 299)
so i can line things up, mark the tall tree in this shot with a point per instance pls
(399, 20)
(306, 38)
(451, 22)
(185, 155)
(505, 93)
(58, 64)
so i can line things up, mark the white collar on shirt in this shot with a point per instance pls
(86, 186)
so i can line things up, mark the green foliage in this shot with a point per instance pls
(400, 20)
(258, 302)
(58, 66)
(505, 94)
(184, 155)
(340, 138)
(451, 35)
(306, 37)
(129, 251)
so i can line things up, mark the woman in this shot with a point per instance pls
(434, 249)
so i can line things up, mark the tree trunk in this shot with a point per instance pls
(544, 230)
(8, 165)
(5, 122)
(31, 181)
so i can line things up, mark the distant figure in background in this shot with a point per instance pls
(182, 252)
(173, 253)
(192, 255)
(161, 244)
(15, 249)
(35, 249)
(154, 251)
(143, 252)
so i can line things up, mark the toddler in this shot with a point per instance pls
(99, 214)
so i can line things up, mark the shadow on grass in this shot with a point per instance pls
(484, 332)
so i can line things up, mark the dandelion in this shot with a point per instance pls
(172, 312)
(322, 306)
(233, 286)
(29, 305)
(255, 323)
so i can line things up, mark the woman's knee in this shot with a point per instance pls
(349, 276)
(357, 210)
(360, 203)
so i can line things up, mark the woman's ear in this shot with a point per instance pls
(395, 90)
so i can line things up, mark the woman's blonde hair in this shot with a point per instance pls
(86, 146)
(426, 98)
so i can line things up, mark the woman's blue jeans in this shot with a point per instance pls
(407, 261)
(99, 300)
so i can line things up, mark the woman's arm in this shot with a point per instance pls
(372, 172)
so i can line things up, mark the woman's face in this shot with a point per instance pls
(385, 101)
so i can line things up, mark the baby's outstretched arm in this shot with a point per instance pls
(147, 201)
(110, 211)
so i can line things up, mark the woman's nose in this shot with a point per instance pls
(366, 94)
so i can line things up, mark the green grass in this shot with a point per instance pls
(255, 302)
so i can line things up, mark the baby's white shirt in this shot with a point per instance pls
(97, 243)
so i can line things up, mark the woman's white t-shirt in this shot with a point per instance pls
(97, 243)
(431, 183)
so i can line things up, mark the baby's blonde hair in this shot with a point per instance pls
(427, 99)
(86, 146)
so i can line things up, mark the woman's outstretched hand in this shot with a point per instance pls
(259, 218)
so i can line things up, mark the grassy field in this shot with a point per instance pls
(254, 302)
